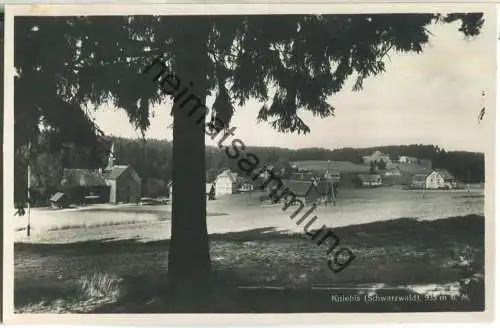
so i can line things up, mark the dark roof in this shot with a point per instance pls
(324, 186)
(299, 188)
(57, 197)
(306, 176)
(445, 174)
(115, 172)
(419, 177)
(82, 178)
(369, 177)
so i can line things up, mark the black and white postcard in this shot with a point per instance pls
(249, 163)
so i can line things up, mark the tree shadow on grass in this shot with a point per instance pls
(145, 284)
(435, 233)
(46, 292)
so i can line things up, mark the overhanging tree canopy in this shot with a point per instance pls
(287, 62)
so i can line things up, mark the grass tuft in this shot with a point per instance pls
(100, 285)
(80, 296)
(97, 224)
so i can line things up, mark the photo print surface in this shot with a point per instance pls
(251, 163)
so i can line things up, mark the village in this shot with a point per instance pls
(310, 181)
(362, 173)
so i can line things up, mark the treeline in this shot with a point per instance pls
(152, 159)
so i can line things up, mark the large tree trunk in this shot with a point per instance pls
(189, 259)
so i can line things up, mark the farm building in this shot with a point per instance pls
(79, 183)
(370, 180)
(333, 177)
(408, 160)
(245, 186)
(440, 179)
(305, 191)
(418, 180)
(115, 184)
(409, 170)
(394, 171)
(226, 183)
(377, 156)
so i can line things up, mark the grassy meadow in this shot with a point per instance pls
(262, 261)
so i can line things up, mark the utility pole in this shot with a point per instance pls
(482, 112)
(28, 227)
(468, 180)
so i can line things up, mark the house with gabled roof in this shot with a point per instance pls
(80, 183)
(370, 180)
(377, 156)
(440, 179)
(114, 184)
(227, 183)
(407, 160)
(124, 182)
(305, 191)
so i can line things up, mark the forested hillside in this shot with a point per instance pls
(152, 159)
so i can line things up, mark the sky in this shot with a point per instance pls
(428, 98)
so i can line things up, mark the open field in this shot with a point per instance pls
(333, 166)
(245, 211)
(259, 253)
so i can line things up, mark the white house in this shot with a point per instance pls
(226, 183)
(407, 160)
(393, 171)
(332, 176)
(439, 179)
(370, 180)
(245, 186)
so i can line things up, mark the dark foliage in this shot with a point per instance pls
(66, 66)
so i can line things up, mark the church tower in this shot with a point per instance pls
(111, 157)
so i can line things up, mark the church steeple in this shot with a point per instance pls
(111, 157)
